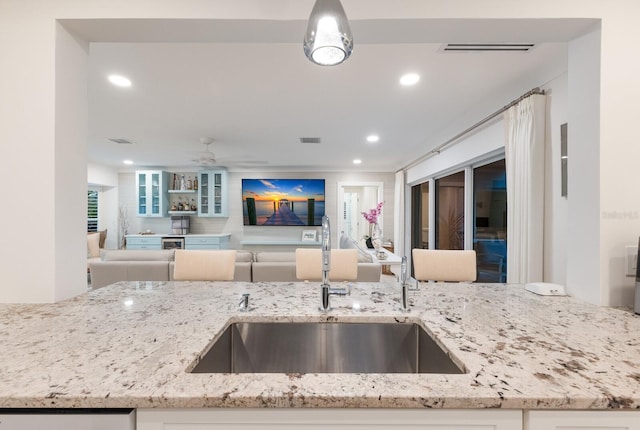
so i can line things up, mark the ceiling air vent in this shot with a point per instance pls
(121, 141)
(487, 47)
(310, 140)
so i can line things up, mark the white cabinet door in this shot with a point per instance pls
(582, 420)
(151, 193)
(212, 193)
(68, 420)
(334, 419)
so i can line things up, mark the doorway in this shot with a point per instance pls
(353, 199)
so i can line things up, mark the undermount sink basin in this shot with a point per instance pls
(264, 347)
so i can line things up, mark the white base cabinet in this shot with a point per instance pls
(206, 242)
(582, 420)
(334, 419)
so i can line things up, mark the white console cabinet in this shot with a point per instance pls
(335, 419)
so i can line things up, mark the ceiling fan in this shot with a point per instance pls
(206, 158)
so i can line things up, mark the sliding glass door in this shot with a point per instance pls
(450, 211)
(485, 191)
(420, 216)
(490, 226)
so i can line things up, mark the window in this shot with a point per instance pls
(490, 226)
(450, 211)
(470, 204)
(92, 210)
(420, 216)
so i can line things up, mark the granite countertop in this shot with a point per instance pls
(128, 345)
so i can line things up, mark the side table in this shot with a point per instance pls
(386, 269)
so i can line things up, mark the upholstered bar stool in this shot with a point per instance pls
(204, 265)
(444, 265)
(344, 264)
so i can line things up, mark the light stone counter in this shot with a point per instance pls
(128, 345)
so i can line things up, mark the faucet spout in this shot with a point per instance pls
(326, 290)
(404, 302)
(326, 250)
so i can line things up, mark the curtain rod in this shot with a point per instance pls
(439, 148)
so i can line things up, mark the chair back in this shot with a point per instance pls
(204, 265)
(444, 265)
(344, 264)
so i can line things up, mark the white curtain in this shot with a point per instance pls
(524, 148)
(398, 215)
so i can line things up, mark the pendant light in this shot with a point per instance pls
(328, 40)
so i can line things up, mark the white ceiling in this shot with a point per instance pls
(248, 85)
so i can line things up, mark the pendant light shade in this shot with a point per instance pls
(328, 40)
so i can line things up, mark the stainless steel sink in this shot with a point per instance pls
(262, 347)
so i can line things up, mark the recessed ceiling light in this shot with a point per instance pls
(119, 81)
(128, 162)
(373, 138)
(409, 79)
(357, 161)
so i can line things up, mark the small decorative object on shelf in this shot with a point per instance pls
(193, 205)
(175, 185)
(375, 233)
(174, 207)
(195, 183)
(183, 183)
(381, 255)
(189, 184)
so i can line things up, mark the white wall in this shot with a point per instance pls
(488, 140)
(105, 180)
(70, 160)
(101, 175)
(31, 80)
(583, 239)
(556, 218)
(234, 223)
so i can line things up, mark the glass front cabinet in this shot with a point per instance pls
(212, 193)
(151, 193)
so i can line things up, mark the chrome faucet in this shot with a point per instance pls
(405, 285)
(326, 267)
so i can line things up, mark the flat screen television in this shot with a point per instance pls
(283, 202)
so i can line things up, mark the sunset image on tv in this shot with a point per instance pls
(283, 201)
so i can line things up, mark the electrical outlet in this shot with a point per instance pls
(632, 259)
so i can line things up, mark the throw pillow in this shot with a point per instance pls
(93, 245)
(103, 237)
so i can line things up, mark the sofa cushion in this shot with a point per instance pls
(108, 272)
(93, 245)
(103, 237)
(274, 271)
(137, 255)
(275, 257)
(244, 256)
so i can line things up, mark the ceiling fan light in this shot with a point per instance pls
(328, 40)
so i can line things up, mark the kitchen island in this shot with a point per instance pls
(129, 345)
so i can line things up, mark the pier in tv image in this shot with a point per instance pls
(283, 201)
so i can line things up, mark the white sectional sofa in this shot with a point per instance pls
(152, 265)
(157, 265)
(281, 267)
